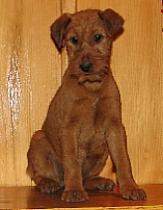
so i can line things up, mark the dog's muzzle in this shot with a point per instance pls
(86, 66)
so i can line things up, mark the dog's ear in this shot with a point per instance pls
(58, 30)
(113, 22)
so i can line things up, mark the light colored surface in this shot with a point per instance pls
(31, 69)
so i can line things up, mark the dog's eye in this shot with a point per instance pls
(74, 40)
(98, 37)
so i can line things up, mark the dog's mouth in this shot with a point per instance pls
(91, 77)
(96, 77)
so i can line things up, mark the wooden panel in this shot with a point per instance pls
(30, 198)
(14, 95)
(30, 75)
(31, 71)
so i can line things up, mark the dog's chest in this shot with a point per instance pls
(92, 129)
(90, 115)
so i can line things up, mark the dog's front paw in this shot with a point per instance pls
(74, 196)
(133, 193)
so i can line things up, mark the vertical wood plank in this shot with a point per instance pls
(93, 4)
(30, 75)
(67, 7)
(44, 60)
(14, 103)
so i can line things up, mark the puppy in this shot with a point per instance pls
(84, 123)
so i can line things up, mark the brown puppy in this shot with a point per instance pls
(84, 123)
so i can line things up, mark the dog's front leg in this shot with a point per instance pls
(118, 151)
(74, 191)
(117, 143)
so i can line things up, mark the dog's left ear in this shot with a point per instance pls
(58, 30)
(113, 21)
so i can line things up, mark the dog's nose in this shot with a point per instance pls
(86, 66)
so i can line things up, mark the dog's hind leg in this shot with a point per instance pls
(43, 168)
(92, 167)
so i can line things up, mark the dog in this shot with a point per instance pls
(84, 123)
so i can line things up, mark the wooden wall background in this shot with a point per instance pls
(31, 71)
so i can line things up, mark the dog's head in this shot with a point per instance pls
(88, 37)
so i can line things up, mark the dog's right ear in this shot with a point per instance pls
(113, 22)
(58, 30)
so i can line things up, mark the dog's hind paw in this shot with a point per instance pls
(100, 184)
(48, 186)
(74, 196)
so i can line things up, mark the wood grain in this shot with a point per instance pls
(30, 75)
(66, 7)
(30, 198)
(14, 96)
(31, 71)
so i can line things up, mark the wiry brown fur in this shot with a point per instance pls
(83, 123)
